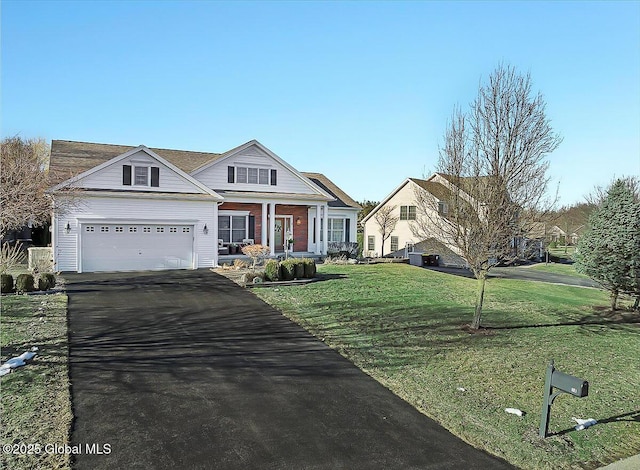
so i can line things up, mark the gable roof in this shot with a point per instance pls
(438, 190)
(69, 158)
(342, 199)
(254, 143)
(127, 154)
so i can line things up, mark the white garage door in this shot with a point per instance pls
(119, 247)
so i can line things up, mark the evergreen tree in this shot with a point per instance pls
(609, 252)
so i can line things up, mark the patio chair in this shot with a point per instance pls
(222, 249)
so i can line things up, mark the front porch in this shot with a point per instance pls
(298, 225)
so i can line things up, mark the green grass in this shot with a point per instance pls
(35, 405)
(405, 327)
(563, 252)
(558, 268)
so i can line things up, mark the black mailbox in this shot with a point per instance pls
(564, 383)
(570, 384)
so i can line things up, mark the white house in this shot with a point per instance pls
(137, 208)
(406, 209)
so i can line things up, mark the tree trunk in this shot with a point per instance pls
(636, 304)
(614, 300)
(482, 278)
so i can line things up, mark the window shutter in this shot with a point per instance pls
(347, 227)
(252, 227)
(155, 176)
(126, 175)
(274, 177)
(231, 174)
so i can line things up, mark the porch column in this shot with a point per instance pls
(318, 250)
(325, 229)
(272, 228)
(263, 234)
(214, 230)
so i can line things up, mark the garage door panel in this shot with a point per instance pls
(117, 247)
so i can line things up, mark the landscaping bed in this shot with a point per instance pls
(407, 328)
(292, 271)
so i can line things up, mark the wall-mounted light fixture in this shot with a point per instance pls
(298, 221)
(67, 228)
(205, 230)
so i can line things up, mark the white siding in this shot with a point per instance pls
(111, 177)
(66, 249)
(404, 197)
(216, 176)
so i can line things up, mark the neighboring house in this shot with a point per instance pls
(402, 239)
(576, 234)
(556, 234)
(438, 189)
(137, 208)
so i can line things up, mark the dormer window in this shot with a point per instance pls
(141, 175)
(251, 175)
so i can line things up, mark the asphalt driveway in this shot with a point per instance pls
(187, 370)
(523, 273)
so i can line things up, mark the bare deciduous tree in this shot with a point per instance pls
(24, 183)
(493, 173)
(386, 221)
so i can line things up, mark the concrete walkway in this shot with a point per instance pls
(632, 463)
(186, 370)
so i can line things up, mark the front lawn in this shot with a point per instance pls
(35, 402)
(558, 268)
(405, 327)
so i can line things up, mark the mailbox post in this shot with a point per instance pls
(564, 383)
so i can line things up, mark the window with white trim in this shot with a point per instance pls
(407, 212)
(371, 243)
(141, 175)
(252, 175)
(394, 243)
(335, 228)
(233, 228)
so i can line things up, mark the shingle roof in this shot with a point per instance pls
(440, 191)
(324, 183)
(70, 158)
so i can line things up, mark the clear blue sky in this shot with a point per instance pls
(360, 91)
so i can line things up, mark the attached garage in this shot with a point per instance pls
(136, 246)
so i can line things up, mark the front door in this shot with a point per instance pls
(284, 230)
(279, 238)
